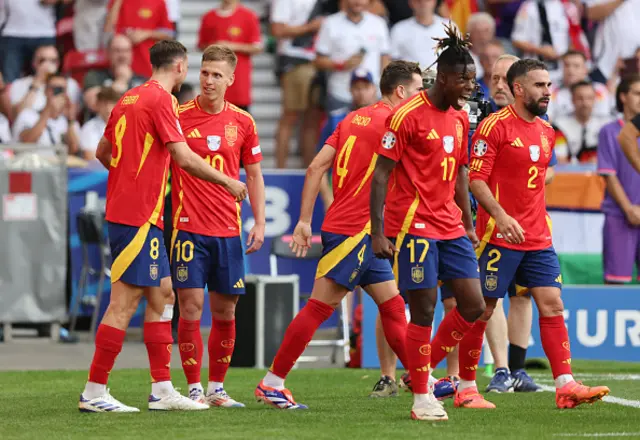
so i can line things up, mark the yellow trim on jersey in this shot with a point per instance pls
(340, 252)
(403, 111)
(372, 166)
(155, 215)
(129, 253)
(187, 106)
(238, 211)
(176, 217)
(488, 232)
(549, 224)
(406, 225)
(246, 113)
(493, 120)
(148, 143)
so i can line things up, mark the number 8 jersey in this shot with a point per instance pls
(141, 124)
(512, 156)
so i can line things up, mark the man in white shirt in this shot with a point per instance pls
(29, 92)
(617, 35)
(88, 22)
(574, 70)
(28, 24)
(413, 39)
(54, 125)
(93, 129)
(349, 39)
(577, 134)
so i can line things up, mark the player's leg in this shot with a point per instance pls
(386, 386)
(540, 271)
(519, 325)
(496, 334)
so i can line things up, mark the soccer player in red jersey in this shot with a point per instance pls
(141, 133)
(510, 155)
(347, 260)
(428, 214)
(206, 247)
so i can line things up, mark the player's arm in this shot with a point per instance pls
(103, 153)
(628, 139)
(255, 186)
(382, 247)
(551, 171)
(462, 200)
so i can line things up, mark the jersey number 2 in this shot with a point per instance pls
(533, 173)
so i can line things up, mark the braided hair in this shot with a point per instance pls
(453, 50)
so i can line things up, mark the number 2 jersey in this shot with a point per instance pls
(141, 124)
(355, 139)
(223, 140)
(512, 155)
(429, 145)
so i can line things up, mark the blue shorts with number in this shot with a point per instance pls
(349, 261)
(198, 260)
(421, 262)
(501, 267)
(139, 255)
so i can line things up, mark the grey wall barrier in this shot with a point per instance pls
(33, 233)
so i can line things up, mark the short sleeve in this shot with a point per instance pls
(525, 24)
(399, 127)
(26, 120)
(251, 151)
(485, 144)
(280, 11)
(636, 122)
(334, 138)
(323, 42)
(253, 26)
(166, 122)
(607, 157)
(206, 34)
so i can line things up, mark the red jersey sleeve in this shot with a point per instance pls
(253, 27)
(108, 130)
(206, 36)
(484, 149)
(166, 122)
(251, 151)
(332, 141)
(399, 128)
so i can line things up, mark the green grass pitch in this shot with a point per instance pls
(43, 405)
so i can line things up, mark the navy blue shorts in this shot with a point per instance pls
(139, 255)
(503, 269)
(198, 260)
(349, 261)
(421, 262)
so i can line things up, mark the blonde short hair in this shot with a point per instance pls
(218, 52)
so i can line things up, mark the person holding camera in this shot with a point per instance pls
(55, 124)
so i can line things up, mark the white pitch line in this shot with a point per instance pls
(608, 399)
(600, 434)
(601, 376)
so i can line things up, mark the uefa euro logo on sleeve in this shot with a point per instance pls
(213, 142)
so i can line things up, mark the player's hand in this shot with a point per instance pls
(510, 229)
(256, 238)
(237, 189)
(354, 61)
(471, 233)
(301, 241)
(382, 247)
(633, 216)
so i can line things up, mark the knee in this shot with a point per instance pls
(190, 306)
(224, 312)
(449, 304)
(424, 316)
(550, 305)
(473, 309)
(488, 311)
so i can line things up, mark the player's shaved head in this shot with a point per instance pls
(398, 73)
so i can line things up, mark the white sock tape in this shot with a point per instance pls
(167, 315)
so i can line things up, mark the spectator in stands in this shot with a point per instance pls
(398, 10)
(621, 205)
(347, 40)
(482, 30)
(504, 12)
(28, 25)
(411, 38)
(144, 22)
(187, 93)
(5, 114)
(173, 11)
(574, 70)
(88, 24)
(29, 92)
(617, 36)
(541, 31)
(119, 75)
(5, 102)
(93, 129)
(55, 124)
(577, 133)
(238, 28)
(295, 24)
(488, 57)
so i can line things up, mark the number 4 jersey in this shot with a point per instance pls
(222, 140)
(512, 155)
(141, 124)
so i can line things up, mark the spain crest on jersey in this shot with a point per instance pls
(534, 152)
(182, 274)
(231, 134)
(213, 142)
(545, 145)
(417, 274)
(153, 271)
(447, 144)
(491, 283)
(459, 133)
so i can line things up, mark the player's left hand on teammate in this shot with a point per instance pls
(256, 239)
(237, 189)
(301, 241)
(471, 233)
(382, 247)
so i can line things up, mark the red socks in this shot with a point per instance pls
(470, 350)
(158, 339)
(108, 345)
(450, 332)
(418, 356)
(394, 324)
(191, 349)
(555, 342)
(298, 335)
(222, 339)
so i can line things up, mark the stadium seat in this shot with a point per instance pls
(280, 249)
(77, 64)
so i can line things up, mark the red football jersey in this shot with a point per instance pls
(429, 145)
(222, 140)
(242, 26)
(512, 156)
(148, 15)
(356, 140)
(141, 124)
